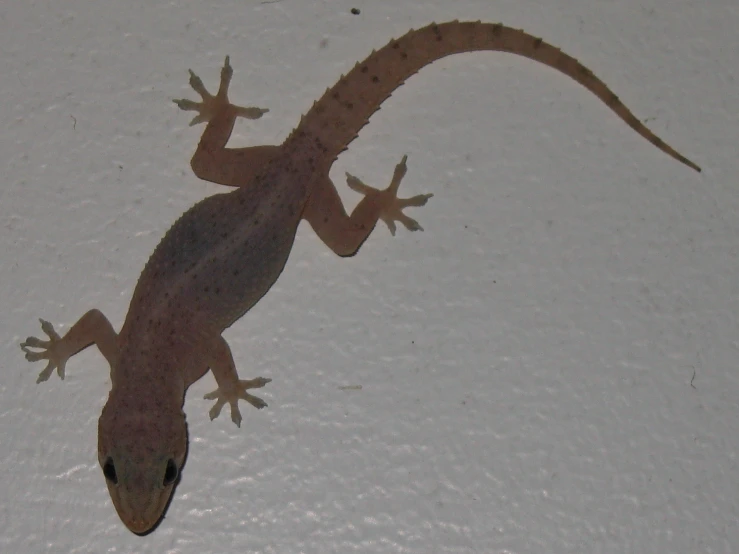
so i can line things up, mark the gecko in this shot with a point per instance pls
(224, 253)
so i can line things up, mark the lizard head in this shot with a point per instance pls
(141, 452)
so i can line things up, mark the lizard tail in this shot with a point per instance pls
(335, 119)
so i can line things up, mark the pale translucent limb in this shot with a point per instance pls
(92, 328)
(392, 206)
(230, 389)
(343, 233)
(232, 399)
(211, 105)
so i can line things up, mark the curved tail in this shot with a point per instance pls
(335, 119)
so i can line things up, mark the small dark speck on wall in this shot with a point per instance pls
(355, 11)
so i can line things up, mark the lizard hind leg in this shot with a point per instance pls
(391, 206)
(343, 233)
(211, 106)
(212, 161)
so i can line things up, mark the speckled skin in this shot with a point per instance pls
(225, 253)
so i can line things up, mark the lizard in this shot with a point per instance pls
(224, 253)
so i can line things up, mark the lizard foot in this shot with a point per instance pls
(213, 105)
(50, 350)
(391, 206)
(233, 396)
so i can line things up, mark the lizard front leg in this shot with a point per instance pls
(230, 389)
(212, 161)
(343, 233)
(92, 328)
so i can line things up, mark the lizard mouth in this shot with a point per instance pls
(139, 527)
(142, 521)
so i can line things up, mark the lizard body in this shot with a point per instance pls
(222, 255)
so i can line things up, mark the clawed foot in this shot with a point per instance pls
(392, 206)
(212, 105)
(233, 397)
(50, 350)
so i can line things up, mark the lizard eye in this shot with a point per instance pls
(170, 474)
(109, 471)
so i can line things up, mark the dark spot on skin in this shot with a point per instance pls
(437, 32)
(335, 95)
(404, 55)
(319, 110)
(325, 219)
(375, 79)
(235, 272)
(537, 43)
(349, 105)
(396, 45)
(364, 69)
(497, 29)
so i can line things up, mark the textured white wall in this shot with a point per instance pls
(525, 363)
